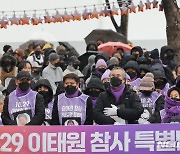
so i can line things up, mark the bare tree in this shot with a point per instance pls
(172, 14)
(121, 27)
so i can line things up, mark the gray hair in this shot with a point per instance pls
(119, 68)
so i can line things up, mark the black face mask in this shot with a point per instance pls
(70, 89)
(147, 93)
(7, 63)
(76, 66)
(56, 64)
(142, 75)
(24, 86)
(106, 85)
(94, 93)
(159, 85)
(46, 96)
(136, 56)
(115, 82)
(37, 52)
(102, 70)
(132, 74)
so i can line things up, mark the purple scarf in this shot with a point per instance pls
(98, 72)
(94, 99)
(73, 95)
(134, 78)
(118, 92)
(171, 107)
(20, 93)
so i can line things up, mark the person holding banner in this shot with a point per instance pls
(118, 104)
(72, 105)
(23, 106)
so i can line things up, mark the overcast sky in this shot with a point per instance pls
(146, 25)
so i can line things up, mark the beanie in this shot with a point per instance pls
(147, 82)
(113, 61)
(154, 54)
(106, 75)
(100, 62)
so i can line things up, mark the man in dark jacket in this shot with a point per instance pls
(23, 106)
(118, 104)
(72, 106)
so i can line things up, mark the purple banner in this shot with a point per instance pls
(135, 139)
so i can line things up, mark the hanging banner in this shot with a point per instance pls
(135, 139)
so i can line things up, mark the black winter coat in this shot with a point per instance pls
(129, 107)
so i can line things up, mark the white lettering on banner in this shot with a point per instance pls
(16, 139)
(167, 141)
(144, 139)
(18, 110)
(100, 142)
(36, 141)
(51, 142)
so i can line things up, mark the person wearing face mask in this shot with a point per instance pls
(23, 101)
(144, 68)
(132, 69)
(72, 104)
(53, 73)
(137, 52)
(73, 67)
(106, 78)
(150, 99)
(93, 89)
(8, 69)
(160, 81)
(119, 104)
(43, 87)
(37, 58)
(167, 57)
(172, 106)
(100, 68)
(113, 62)
(23, 66)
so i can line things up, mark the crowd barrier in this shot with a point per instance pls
(131, 139)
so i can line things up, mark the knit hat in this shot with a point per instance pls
(100, 62)
(154, 54)
(53, 56)
(132, 64)
(106, 75)
(91, 59)
(147, 82)
(113, 61)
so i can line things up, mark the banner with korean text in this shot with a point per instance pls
(150, 138)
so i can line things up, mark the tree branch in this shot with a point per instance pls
(112, 18)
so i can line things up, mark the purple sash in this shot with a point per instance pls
(72, 107)
(22, 103)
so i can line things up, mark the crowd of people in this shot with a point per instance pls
(46, 86)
